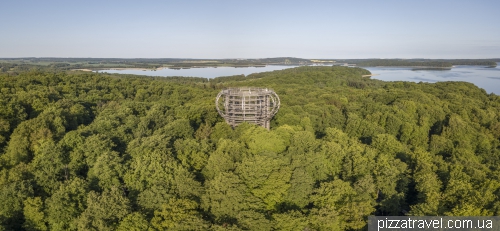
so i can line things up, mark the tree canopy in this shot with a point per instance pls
(96, 151)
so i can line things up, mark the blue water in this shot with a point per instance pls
(483, 77)
(208, 72)
(486, 78)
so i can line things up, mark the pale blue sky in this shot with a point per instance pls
(251, 29)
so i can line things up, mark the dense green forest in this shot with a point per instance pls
(94, 151)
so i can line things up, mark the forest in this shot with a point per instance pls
(98, 151)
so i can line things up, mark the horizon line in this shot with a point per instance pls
(33, 57)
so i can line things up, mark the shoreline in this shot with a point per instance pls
(159, 68)
(411, 67)
(118, 69)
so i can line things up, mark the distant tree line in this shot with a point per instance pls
(421, 62)
(103, 63)
(7, 64)
(490, 63)
(403, 63)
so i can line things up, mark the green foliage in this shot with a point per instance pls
(104, 211)
(12, 197)
(107, 171)
(223, 158)
(259, 140)
(177, 129)
(48, 166)
(427, 185)
(300, 189)
(65, 205)
(179, 214)
(193, 154)
(226, 195)
(34, 215)
(266, 178)
(291, 220)
(352, 207)
(89, 151)
(134, 222)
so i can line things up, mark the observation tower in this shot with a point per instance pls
(247, 104)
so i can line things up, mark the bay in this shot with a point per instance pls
(206, 72)
(483, 77)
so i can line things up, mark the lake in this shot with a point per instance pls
(486, 78)
(483, 77)
(206, 72)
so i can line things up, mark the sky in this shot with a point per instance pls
(251, 29)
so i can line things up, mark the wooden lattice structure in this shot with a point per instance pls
(247, 104)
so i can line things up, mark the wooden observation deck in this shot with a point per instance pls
(247, 104)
